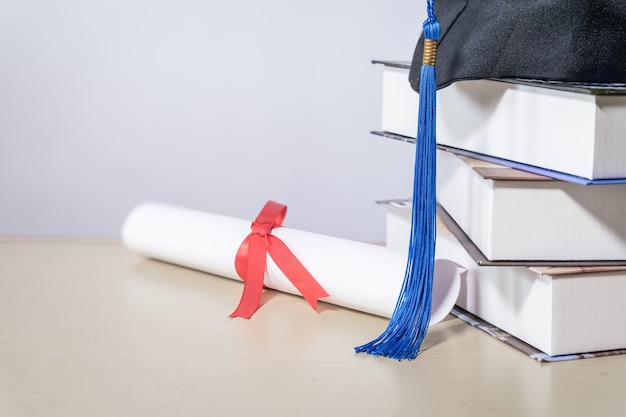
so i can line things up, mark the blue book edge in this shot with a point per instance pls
(557, 175)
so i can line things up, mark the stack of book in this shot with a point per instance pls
(531, 186)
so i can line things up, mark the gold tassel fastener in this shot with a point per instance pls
(430, 52)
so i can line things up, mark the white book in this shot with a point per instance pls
(575, 133)
(514, 215)
(555, 311)
(558, 310)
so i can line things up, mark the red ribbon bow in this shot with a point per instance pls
(250, 262)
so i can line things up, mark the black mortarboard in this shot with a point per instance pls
(568, 41)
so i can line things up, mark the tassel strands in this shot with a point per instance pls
(410, 319)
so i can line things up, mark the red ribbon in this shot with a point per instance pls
(250, 262)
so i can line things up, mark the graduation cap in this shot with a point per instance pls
(555, 42)
(581, 43)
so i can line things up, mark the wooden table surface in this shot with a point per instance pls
(88, 328)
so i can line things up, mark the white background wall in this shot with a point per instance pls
(218, 106)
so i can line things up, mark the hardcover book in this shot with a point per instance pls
(575, 131)
(515, 215)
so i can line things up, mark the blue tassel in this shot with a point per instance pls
(409, 322)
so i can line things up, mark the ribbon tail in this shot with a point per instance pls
(241, 258)
(253, 281)
(293, 269)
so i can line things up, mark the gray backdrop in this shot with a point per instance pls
(217, 106)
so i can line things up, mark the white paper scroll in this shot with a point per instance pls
(357, 275)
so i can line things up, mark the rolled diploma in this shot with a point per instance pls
(356, 275)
